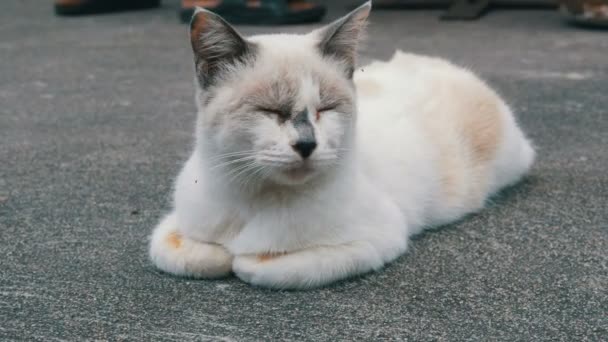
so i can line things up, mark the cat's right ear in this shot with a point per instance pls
(340, 39)
(216, 46)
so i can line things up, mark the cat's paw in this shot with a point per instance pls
(258, 270)
(174, 253)
(308, 268)
(279, 271)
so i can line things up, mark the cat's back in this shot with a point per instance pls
(410, 81)
(432, 96)
(442, 125)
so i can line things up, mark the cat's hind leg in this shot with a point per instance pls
(515, 155)
(177, 254)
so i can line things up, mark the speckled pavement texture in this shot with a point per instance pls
(96, 115)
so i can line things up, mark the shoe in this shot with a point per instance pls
(83, 7)
(258, 12)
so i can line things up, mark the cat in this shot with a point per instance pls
(307, 169)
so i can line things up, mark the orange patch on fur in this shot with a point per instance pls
(466, 153)
(174, 239)
(484, 132)
(451, 175)
(269, 256)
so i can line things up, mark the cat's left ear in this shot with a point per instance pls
(340, 39)
(216, 46)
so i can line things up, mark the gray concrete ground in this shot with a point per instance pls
(96, 116)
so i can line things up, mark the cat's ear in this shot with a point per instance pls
(340, 39)
(216, 45)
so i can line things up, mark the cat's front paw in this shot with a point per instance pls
(254, 269)
(277, 270)
(174, 253)
(308, 268)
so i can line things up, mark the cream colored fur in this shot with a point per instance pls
(423, 143)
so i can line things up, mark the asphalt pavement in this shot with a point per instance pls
(97, 114)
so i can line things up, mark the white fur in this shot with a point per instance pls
(192, 258)
(350, 216)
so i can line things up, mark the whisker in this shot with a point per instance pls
(272, 155)
(276, 161)
(232, 154)
(232, 162)
(236, 170)
(245, 176)
(242, 170)
(255, 175)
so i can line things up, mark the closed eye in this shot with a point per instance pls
(273, 111)
(324, 109)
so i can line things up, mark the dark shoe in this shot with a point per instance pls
(82, 7)
(258, 12)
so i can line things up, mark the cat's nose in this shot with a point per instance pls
(305, 147)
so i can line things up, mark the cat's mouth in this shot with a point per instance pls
(299, 173)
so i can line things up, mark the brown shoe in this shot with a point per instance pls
(82, 7)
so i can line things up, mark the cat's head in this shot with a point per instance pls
(278, 108)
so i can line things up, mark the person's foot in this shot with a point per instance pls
(82, 7)
(258, 12)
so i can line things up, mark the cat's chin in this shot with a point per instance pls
(294, 176)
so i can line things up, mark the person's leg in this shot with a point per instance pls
(83, 7)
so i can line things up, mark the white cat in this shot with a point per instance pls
(305, 172)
